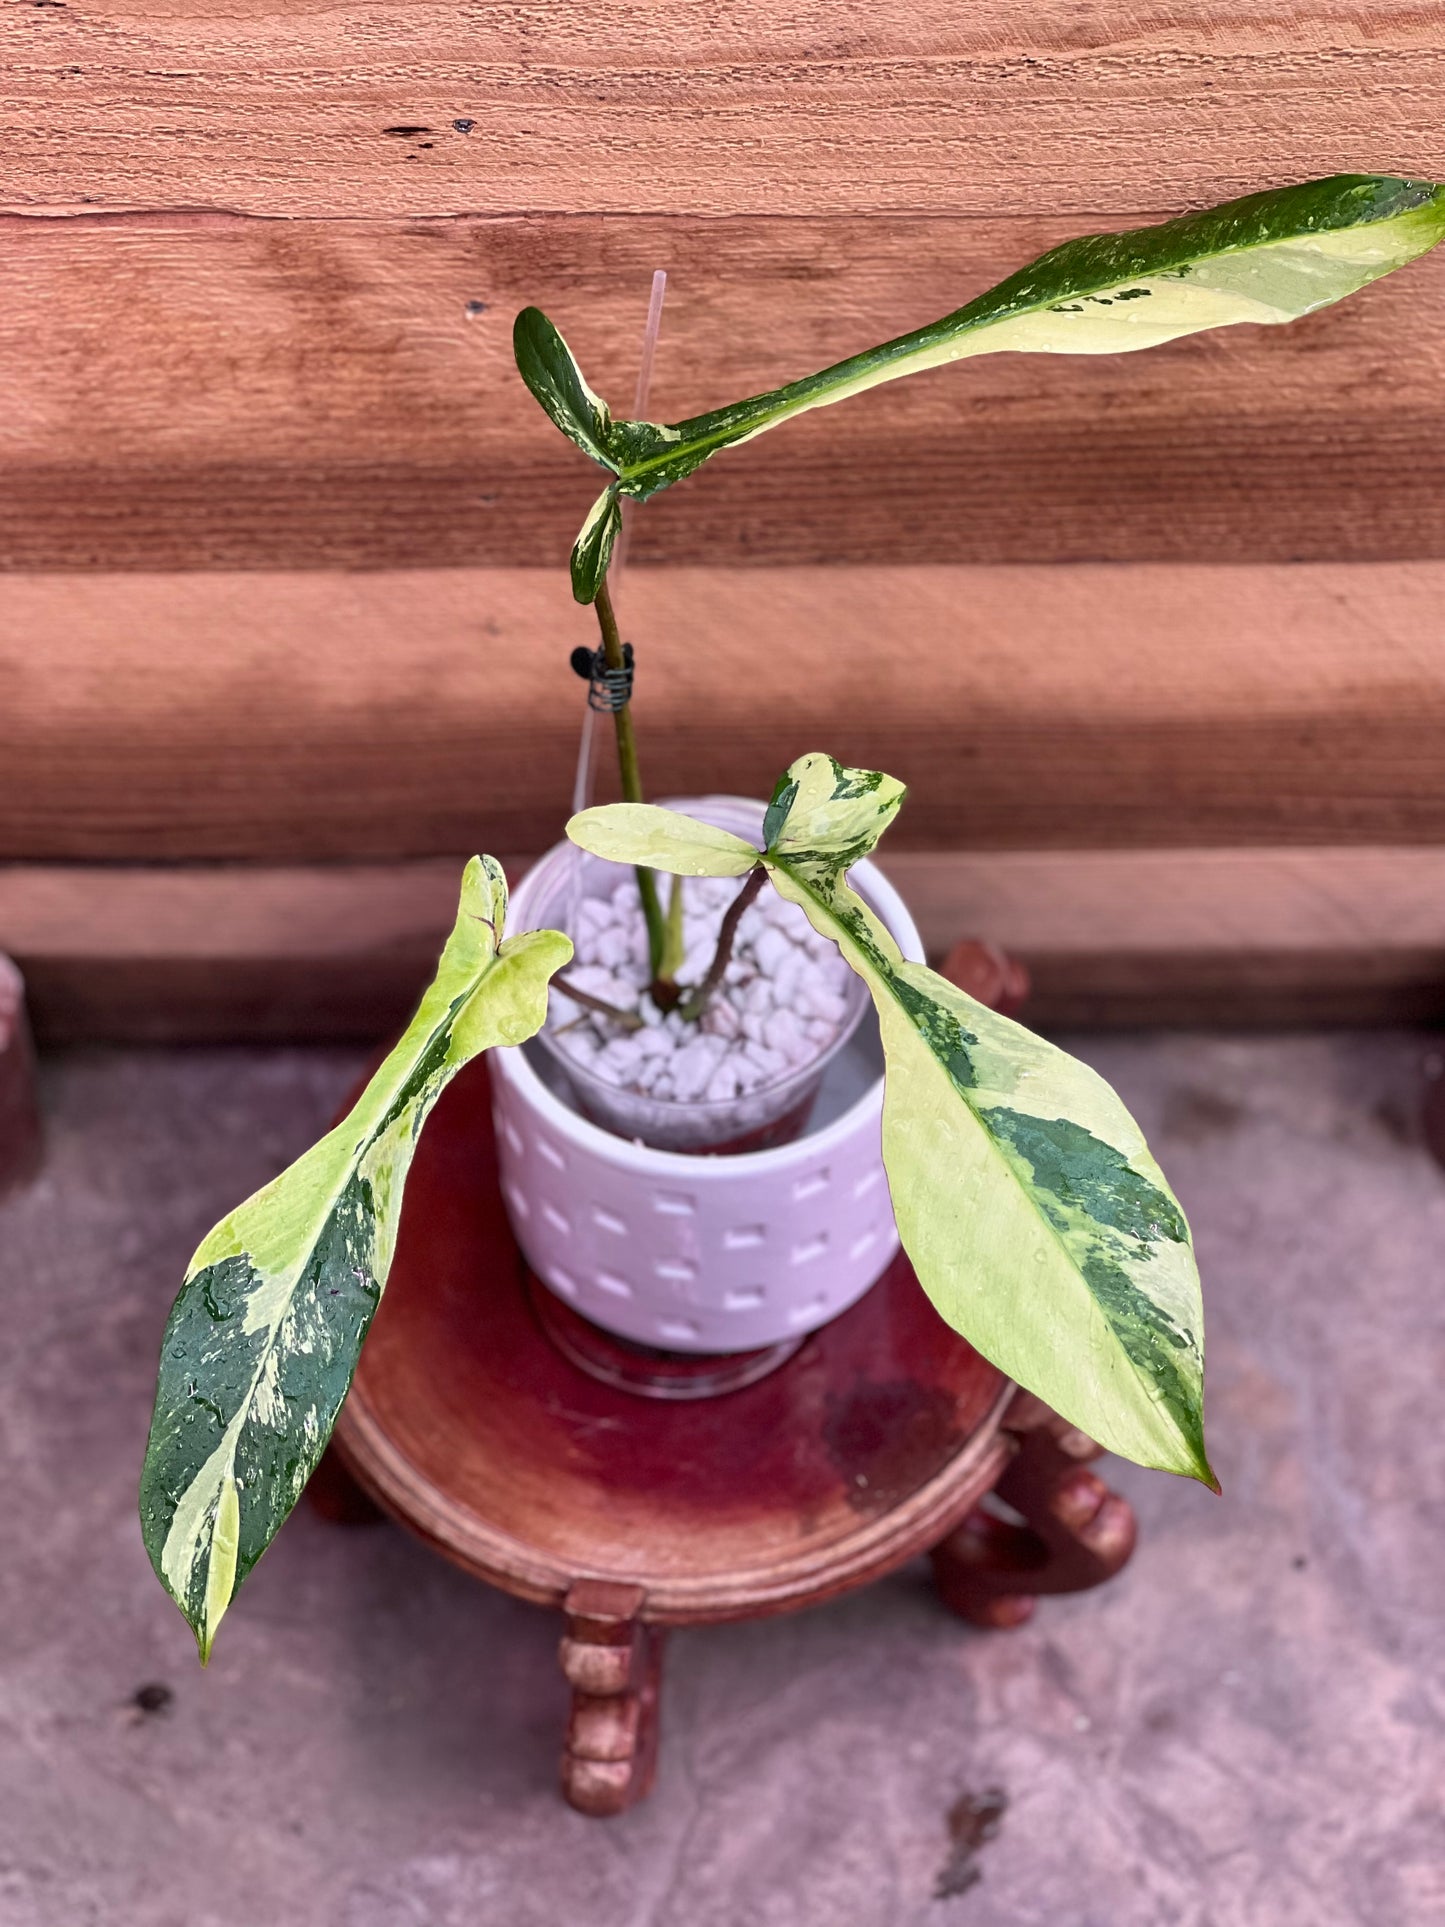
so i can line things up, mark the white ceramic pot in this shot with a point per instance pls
(694, 1253)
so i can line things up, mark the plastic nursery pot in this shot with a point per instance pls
(702, 1255)
(770, 1115)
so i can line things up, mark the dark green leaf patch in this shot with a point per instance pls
(313, 1354)
(1069, 1163)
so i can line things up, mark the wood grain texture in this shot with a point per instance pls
(274, 107)
(20, 1136)
(856, 1454)
(320, 716)
(204, 391)
(1232, 937)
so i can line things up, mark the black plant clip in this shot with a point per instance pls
(609, 689)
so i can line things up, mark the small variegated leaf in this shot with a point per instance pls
(658, 839)
(1268, 258)
(592, 551)
(819, 808)
(261, 1346)
(550, 370)
(1026, 1198)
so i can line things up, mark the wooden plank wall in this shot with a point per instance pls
(282, 538)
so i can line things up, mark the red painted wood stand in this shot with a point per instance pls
(880, 1439)
(20, 1144)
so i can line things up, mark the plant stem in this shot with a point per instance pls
(697, 1003)
(628, 1019)
(631, 775)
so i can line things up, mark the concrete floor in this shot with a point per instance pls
(1244, 1731)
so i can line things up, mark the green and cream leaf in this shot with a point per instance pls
(261, 1346)
(1266, 259)
(592, 551)
(658, 839)
(550, 370)
(1025, 1196)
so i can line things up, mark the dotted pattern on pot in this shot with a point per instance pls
(723, 1264)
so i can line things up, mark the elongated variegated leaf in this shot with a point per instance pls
(264, 1338)
(1025, 1195)
(1269, 258)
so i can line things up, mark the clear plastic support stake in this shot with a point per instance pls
(582, 783)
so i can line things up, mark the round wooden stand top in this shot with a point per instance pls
(865, 1448)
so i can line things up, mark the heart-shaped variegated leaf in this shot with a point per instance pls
(264, 1338)
(1269, 258)
(1025, 1195)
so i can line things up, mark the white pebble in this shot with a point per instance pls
(619, 1058)
(721, 1019)
(691, 1070)
(782, 1032)
(580, 1045)
(786, 979)
(613, 947)
(815, 1001)
(697, 961)
(594, 914)
(723, 1084)
(772, 1063)
(770, 949)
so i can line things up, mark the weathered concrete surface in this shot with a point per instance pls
(1246, 1731)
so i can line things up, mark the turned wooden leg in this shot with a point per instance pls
(613, 1663)
(19, 1111)
(1076, 1532)
(336, 1496)
(1434, 1106)
(988, 974)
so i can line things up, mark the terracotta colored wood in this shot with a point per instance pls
(613, 1662)
(861, 1451)
(1238, 937)
(279, 109)
(296, 717)
(988, 974)
(1076, 1533)
(874, 1441)
(20, 1138)
(334, 1495)
(218, 392)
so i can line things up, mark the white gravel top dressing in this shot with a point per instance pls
(780, 1004)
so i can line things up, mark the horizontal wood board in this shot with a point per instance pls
(309, 107)
(294, 717)
(202, 391)
(1220, 937)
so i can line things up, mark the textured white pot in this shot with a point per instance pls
(701, 1254)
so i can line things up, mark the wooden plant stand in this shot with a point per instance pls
(880, 1439)
(20, 1142)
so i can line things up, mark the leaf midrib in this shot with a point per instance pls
(901, 347)
(237, 1422)
(989, 1138)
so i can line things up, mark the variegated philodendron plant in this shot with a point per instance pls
(1035, 1218)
